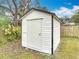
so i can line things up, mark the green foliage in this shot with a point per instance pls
(3, 40)
(6, 31)
(75, 18)
(4, 21)
(65, 19)
(12, 33)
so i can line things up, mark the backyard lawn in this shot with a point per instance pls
(10, 48)
(69, 49)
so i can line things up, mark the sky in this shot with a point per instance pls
(61, 7)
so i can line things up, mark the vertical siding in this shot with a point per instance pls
(56, 34)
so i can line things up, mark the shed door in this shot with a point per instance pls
(34, 40)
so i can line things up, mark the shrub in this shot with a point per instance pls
(11, 32)
(4, 21)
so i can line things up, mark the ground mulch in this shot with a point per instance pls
(15, 49)
(11, 47)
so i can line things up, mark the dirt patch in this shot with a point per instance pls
(14, 49)
(11, 47)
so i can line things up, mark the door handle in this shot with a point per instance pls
(24, 32)
(39, 34)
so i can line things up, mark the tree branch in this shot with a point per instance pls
(7, 9)
(9, 5)
(16, 8)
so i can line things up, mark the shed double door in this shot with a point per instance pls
(34, 40)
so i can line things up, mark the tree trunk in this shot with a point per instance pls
(15, 20)
(15, 13)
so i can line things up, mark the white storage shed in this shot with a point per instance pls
(40, 31)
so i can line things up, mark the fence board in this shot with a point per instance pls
(70, 30)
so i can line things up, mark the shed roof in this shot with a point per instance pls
(52, 14)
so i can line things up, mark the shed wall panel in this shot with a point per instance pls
(46, 35)
(24, 33)
(56, 34)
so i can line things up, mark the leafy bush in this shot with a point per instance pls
(4, 21)
(8, 31)
(11, 32)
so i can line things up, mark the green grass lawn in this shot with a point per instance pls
(69, 49)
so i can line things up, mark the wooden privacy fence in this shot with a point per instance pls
(70, 30)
